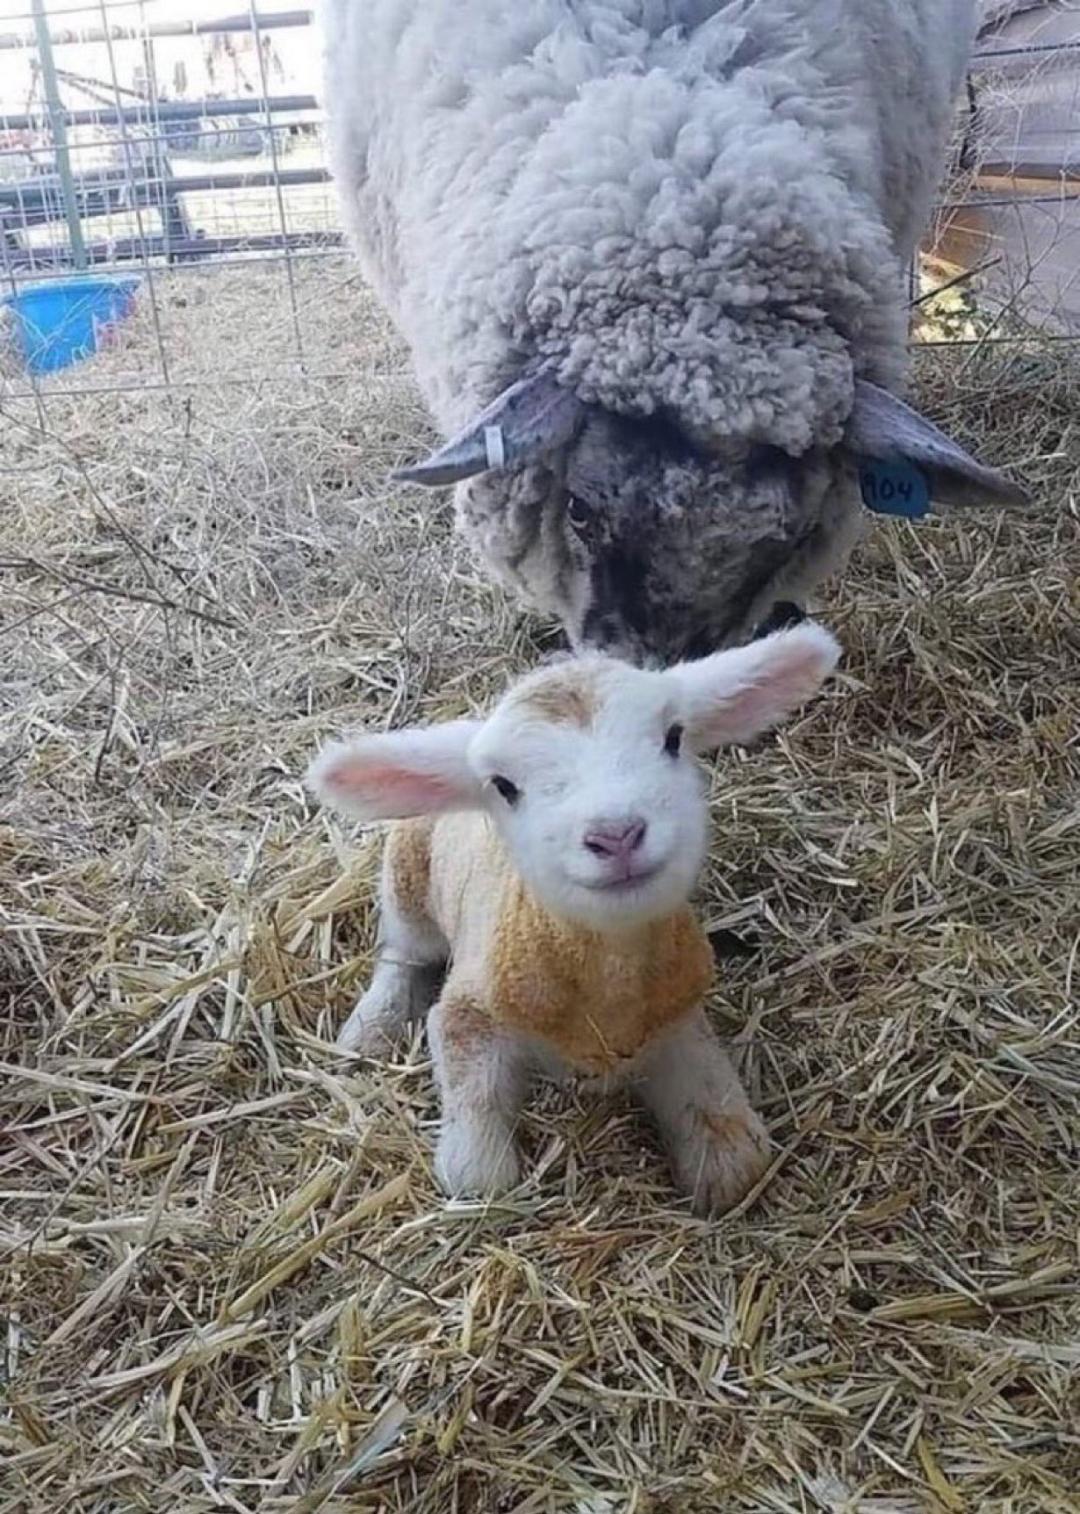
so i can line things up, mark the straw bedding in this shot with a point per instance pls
(227, 1281)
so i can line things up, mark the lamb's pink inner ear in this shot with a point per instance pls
(760, 705)
(740, 693)
(388, 788)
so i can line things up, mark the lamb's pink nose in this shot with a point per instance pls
(617, 840)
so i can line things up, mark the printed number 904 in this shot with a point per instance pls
(887, 491)
(891, 489)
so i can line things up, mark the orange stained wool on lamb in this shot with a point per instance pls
(596, 998)
(408, 861)
(566, 696)
(726, 1129)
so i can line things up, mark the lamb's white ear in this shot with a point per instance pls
(400, 773)
(731, 697)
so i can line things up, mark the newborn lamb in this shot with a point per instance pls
(544, 858)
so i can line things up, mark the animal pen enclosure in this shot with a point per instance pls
(226, 1278)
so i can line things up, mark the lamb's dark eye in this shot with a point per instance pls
(509, 791)
(673, 740)
(577, 513)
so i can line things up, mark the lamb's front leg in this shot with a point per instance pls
(717, 1145)
(412, 950)
(483, 1075)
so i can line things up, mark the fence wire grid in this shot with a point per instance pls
(184, 144)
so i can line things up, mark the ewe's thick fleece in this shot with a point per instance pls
(702, 206)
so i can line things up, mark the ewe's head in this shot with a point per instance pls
(655, 546)
(588, 770)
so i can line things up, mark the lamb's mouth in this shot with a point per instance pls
(627, 884)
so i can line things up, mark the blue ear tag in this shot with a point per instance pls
(893, 488)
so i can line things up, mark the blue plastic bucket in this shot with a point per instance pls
(68, 319)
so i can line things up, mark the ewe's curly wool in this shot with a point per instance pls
(698, 207)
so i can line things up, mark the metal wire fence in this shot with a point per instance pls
(142, 136)
(1009, 223)
(184, 144)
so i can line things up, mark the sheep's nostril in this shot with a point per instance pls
(635, 835)
(615, 840)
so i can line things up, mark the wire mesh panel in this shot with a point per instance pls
(1006, 237)
(179, 143)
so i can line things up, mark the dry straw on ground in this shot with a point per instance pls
(227, 1280)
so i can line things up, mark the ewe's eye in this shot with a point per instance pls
(509, 791)
(673, 740)
(577, 513)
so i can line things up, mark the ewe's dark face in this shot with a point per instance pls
(673, 554)
(653, 549)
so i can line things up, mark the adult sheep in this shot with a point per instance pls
(649, 257)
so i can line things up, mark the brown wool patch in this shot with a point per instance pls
(466, 1026)
(570, 698)
(408, 858)
(595, 1000)
(726, 1129)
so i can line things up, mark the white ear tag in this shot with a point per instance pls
(494, 447)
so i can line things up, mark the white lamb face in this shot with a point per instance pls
(588, 769)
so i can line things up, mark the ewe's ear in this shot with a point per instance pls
(920, 462)
(731, 697)
(399, 774)
(533, 417)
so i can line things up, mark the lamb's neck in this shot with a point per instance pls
(634, 940)
(595, 996)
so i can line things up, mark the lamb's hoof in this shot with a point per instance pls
(367, 1035)
(396, 998)
(726, 1155)
(368, 1042)
(476, 1160)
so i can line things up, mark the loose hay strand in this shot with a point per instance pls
(228, 1281)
